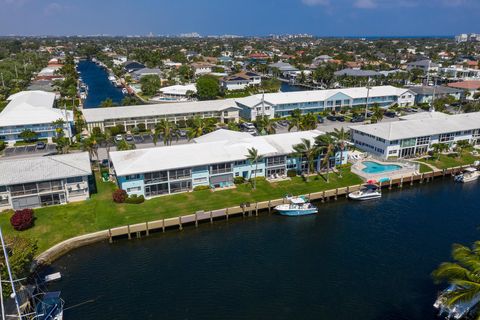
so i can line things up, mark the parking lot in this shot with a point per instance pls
(29, 150)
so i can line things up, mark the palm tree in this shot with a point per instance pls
(438, 148)
(341, 136)
(108, 140)
(377, 113)
(199, 126)
(308, 122)
(309, 151)
(326, 144)
(463, 274)
(91, 146)
(265, 125)
(254, 157)
(124, 145)
(295, 120)
(461, 145)
(168, 130)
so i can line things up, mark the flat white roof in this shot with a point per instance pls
(152, 110)
(321, 95)
(179, 89)
(45, 168)
(31, 107)
(421, 127)
(425, 115)
(231, 148)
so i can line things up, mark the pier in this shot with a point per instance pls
(244, 210)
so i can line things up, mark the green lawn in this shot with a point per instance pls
(57, 223)
(424, 168)
(452, 160)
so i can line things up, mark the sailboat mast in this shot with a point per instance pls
(5, 253)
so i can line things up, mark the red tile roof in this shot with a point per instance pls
(468, 84)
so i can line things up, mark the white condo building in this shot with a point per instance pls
(281, 104)
(416, 136)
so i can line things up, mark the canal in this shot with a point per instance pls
(369, 260)
(99, 87)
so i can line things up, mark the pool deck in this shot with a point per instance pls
(407, 168)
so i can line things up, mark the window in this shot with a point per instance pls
(423, 140)
(275, 161)
(446, 137)
(156, 189)
(241, 163)
(180, 174)
(221, 168)
(153, 177)
(75, 180)
(134, 189)
(393, 152)
(408, 143)
(132, 177)
(200, 180)
(225, 113)
(180, 186)
(3, 189)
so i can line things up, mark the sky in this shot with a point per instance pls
(240, 17)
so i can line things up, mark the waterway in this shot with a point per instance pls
(369, 260)
(286, 87)
(99, 87)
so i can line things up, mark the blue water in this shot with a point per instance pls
(362, 261)
(375, 167)
(286, 87)
(99, 87)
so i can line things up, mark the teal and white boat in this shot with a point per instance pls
(296, 206)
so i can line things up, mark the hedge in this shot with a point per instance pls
(22, 219)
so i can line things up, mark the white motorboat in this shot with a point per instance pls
(468, 175)
(367, 192)
(296, 206)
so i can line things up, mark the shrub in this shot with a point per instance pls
(3, 145)
(291, 173)
(239, 180)
(200, 188)
(22, 219)
(119, 196)
(134, 199)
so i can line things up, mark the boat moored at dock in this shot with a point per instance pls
(367, 192)
(296, 206)
(469, 174)
(459, 309)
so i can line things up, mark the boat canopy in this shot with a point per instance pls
(470, 169)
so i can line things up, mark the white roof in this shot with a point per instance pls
(205, 153)
(179, 89)
(421, 127)
(31, 107)
(152, 110)
(45, 168)
(321, 95)
(425, 115)
(222, 135)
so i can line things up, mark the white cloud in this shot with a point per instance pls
(365, 4)
(53, 8)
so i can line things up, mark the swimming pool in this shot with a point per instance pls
(375, 167)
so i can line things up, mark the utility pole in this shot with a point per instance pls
(3, 82)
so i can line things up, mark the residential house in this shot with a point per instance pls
(241, 80)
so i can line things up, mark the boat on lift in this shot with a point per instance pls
(366, 192)
(296, 206)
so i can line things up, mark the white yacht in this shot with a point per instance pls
(468, 175)
(296, 206)
(367, 192)
(458, 310)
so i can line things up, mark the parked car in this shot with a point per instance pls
(369, 114)
(358, 119)
(118, 137)
(332, 117)
(129, 137)
(320, 119)
(390, 114)
(341, 118)
(248, 126)
(182, 133)
(41, 145)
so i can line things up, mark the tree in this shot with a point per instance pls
(461, 145)
(186, 72)
(308, 122)
(199, 126)
(168, 130)
(124, 145)
(59, 124)
(254, 157)
(295, 120)
(129, 101)
(438, 148)
(150, 84)
(463, 275)
(62, 145)
(265, 125)
(208, 87)
(326, 144)
(341, 137)
(28, 135)
(377, 112)
(91, 146)
(107, 103)
(308, 150)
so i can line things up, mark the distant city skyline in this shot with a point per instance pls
(244, 18)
